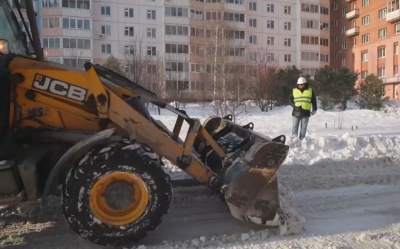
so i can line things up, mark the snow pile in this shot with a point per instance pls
(313, 149)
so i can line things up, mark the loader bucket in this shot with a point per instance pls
(249, 172)
(253, 195)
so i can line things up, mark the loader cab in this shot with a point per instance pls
(12, 41)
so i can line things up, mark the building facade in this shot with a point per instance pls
(365, 38)
(359, 34)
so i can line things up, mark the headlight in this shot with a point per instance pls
(4, 46)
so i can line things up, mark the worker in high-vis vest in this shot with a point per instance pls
(304, 105)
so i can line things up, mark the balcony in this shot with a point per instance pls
(393, 16)
(353, 31)
(353, 14)
(348, 1)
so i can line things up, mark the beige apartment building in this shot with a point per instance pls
(365, 38)
(360, 34)
(75, 31)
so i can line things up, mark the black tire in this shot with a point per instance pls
(99, 162)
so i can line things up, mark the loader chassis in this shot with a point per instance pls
(88, 132)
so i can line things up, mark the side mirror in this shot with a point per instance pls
(4, 46)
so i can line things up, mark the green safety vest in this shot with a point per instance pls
(302, 99)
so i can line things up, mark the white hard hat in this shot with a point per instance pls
(301, 80)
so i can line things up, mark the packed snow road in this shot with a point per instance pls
(327, 199)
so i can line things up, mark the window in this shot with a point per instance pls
(176, 48)
(253, 56)
(382, 33)
(72, 23)
(176, 11)
(365, 20)
(45, 4)
(50, 42)
(310, 56)
(344, 11)
(253, 23)
(287, 26)
(129, 50)
(365, 3)
(74, 62)
(364, 56)
(176, 66)
(51, 22)
(324, 10)
(335, 38)
(344, 45)
(233, 17)
(365, 38)
(151, 32)
(344, 28)
(76, 43)
(270, 24)
(397, 28)
(151, 69)
(151, 14)
(176, 30)
(381, 52)
(55, 59)
(324, 57)
(287, 58)
(75, 4)
(253, 39)
(335, 22)
(364, 74)
(270, 40)
(312, 40)
(343, 62)
(335, 5)
(270, 8)
(152, 51)
(129, 31)
(106, 48)
(396, 49)
(381, 72)
(313, 8)
(106, 30)
(252, 6)
(235, 1)
(105, 10)
(287, 42)
(354, 42)
(287, 10)
(396, 70)
(324, 42)
(128, 12)
(382, 13)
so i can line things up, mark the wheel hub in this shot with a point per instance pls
(119, 195)
(119, 198)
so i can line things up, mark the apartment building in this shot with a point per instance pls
(365, 38)
(66, 30)
(179, 32)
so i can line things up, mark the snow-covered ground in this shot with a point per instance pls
(342, 185)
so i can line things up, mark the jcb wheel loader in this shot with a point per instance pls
(89, 132)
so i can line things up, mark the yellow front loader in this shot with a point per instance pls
(89, 132)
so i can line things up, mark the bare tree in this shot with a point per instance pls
(221, 55)
(176, 77)
(154, 77)
(137, 59)
(262, 69)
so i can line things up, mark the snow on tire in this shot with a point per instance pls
(100, 162)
